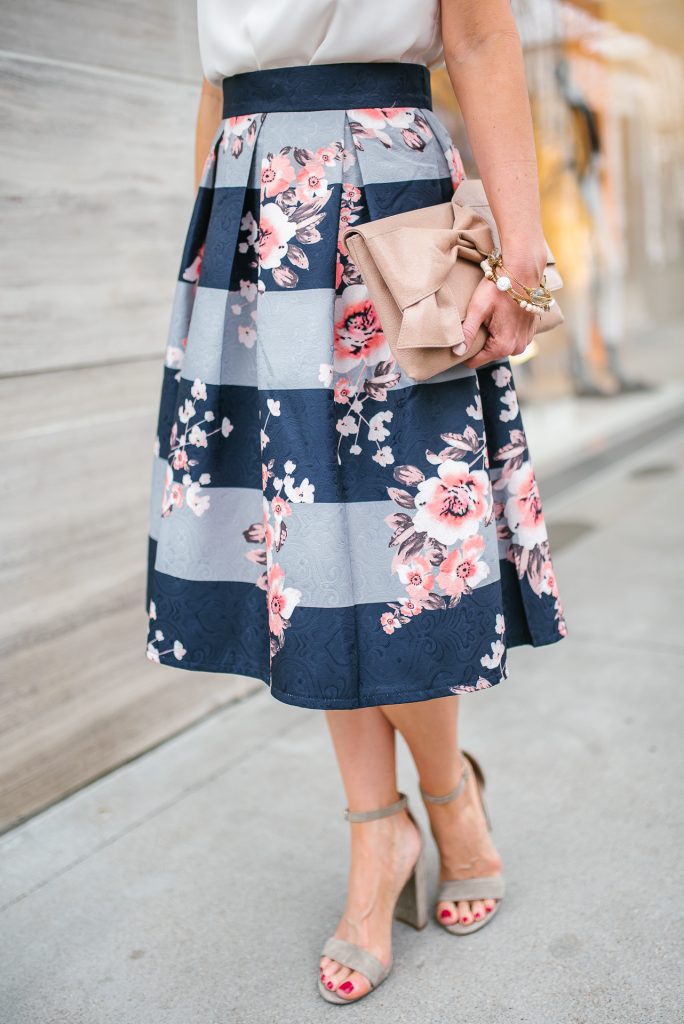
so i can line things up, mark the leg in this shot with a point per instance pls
(383, 851)
(430, 729)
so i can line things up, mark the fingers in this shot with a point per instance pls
(498, 347)
(510, 329)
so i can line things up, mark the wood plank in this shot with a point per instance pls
(158, 38)
(78, 705)
(96, 192)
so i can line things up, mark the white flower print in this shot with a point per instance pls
(376, 429)
(510, 400)
(494, 659)
(501, 376)
(384, 456)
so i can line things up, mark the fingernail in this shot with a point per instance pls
(347, 987)
(330, 984)
(445, 913)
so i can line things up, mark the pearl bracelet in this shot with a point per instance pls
(534, 300)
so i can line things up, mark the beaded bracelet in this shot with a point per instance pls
(534, 300)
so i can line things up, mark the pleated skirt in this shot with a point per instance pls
(319, 519)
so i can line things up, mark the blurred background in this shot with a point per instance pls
(98, 103)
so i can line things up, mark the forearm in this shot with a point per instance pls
(209, 114)
(487, 72)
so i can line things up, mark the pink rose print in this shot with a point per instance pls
(523, 509)
(461, 570)
(275, 232)
(358, 335)
(452, 505)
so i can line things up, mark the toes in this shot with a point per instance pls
(465, 915)
(446, 912)
(334, 974)
(478, 910)
(489, 906)
(354, 986)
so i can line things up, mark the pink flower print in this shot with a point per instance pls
(235, 130)
(192, 272)
(327, 155)
(358, 335)
(179, 459)
(281, 509)
(451, 505)
(548, 584)
(455, 163)
(523, 509)
(275, 232)
(417, 576)
(400, 117)
(410, 607)
(176, 495)
(461, 570)
(311, 182)
(389, 622)
(370, 118)
(282, 601)
(351, 193)
(277, 174)
(343, 391)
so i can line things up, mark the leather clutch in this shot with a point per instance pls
(421, 269)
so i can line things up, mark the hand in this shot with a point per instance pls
(511, 328)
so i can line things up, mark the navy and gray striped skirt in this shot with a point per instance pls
(320, 520)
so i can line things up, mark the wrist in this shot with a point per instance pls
(528, 264)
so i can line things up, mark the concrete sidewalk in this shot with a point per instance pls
(197, 883)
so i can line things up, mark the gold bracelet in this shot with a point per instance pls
(534, 300)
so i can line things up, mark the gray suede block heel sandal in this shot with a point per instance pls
(411, 907)
(490, 887)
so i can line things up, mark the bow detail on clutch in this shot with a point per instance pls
(421, 269)
(431, 272)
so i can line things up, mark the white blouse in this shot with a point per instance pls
(248, 35)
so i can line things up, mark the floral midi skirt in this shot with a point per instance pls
(319, 519)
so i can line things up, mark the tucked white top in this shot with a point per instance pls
(248, 35)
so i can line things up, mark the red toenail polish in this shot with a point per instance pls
(477, 916)
(465, 920)
(489, 909)
(322, 977)
(445, 913)
(347, 987)
(330, 984)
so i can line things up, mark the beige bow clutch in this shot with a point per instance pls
(421, 269)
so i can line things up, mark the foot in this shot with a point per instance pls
(383, 853)
(466, 850)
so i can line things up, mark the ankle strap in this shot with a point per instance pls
(456, 791)
(381, 812)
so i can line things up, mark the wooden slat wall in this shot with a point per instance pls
(97, 107)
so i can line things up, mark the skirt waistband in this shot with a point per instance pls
(327, 87)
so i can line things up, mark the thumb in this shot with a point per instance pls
(474, 319)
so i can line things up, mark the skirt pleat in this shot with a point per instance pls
(320, 520)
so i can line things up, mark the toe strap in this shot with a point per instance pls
(356, 958)
(491, 888)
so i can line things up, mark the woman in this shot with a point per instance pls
(367, 545)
